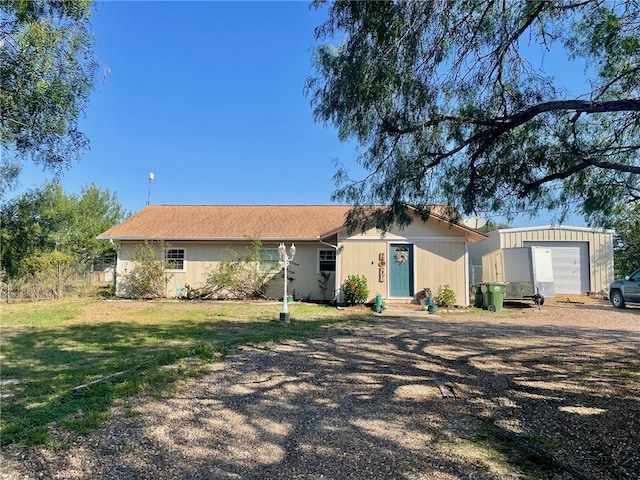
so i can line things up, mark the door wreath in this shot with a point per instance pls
(402, 254)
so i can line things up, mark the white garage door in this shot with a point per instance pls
(570, 265)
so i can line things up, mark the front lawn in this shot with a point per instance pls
(50, 348)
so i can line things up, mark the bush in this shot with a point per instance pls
(445, 296)
(147, 279)
(242, 277)
(355, 290)
(323, 284)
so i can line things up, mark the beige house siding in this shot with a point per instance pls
(442, 263)
(202, 258)
(360, 257)
(432, 228)
(304, 271)
(439, 254)
(436, 262)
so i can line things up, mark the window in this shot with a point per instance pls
(326, 260)
(175, 258)
(269, 255)
(270, 258)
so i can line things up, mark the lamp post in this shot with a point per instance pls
(282, 251)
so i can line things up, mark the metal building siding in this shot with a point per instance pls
(600, 246)
(517, 238)
(478, 249)
(601, 258)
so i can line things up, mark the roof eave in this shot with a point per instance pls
(206, 239)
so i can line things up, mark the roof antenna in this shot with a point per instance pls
(151, 177)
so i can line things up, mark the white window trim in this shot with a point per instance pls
(335, 259)
(184, 260)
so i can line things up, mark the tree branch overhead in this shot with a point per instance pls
(452, 105)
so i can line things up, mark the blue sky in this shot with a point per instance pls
(209, 97)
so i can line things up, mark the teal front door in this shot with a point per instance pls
(401, 270)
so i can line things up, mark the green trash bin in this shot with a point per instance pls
(493, 296)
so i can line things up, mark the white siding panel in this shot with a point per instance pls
(570, 265)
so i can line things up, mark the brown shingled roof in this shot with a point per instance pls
(213, 222)
(238, 222)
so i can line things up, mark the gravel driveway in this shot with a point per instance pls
(402, 398)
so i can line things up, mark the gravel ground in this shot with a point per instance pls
(369, 404)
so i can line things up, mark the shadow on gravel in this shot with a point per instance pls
(603, 307)
(630, 309)
(368, 406)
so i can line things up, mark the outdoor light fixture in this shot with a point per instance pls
(282, 251)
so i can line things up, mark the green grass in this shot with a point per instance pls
(618, 372)
(48, 348)
(40, 314)
(526, 452)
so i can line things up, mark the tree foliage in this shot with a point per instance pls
(492, 226)
(46, 53)
(626, 245)
(452, 103)
(46, 220)
(46, 273)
